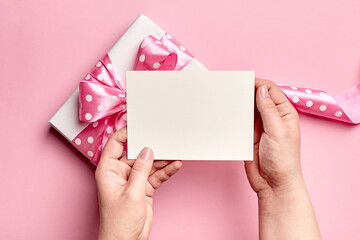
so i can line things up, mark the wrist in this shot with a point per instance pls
(105, 235)
(287, 212)
(281, 199)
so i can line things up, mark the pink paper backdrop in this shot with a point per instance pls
(47, 189)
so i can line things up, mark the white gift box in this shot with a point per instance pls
(122, 55)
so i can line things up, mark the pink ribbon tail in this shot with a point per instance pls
(344, 108)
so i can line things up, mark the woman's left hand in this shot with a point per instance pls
(125, 189)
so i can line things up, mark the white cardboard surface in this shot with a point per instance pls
(191, 115)
(122, 55)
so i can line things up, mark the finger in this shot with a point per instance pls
(252, 167)
(160, 164)
(127, 165)
(258, 130)
(112, 171)
(115, 145)
(161, 175)
(129, 162)
(141, 169)
(270, 116)
(277, 95)
(149, 190)
(156, 165)
(256, 181)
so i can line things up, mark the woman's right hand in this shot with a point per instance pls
(285, 208)
(276, 167)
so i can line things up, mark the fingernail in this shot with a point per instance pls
(146, 153)
(264, 91)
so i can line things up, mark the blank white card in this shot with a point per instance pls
(191, 115)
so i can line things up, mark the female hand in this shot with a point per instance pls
(285, 208)
(276, 167)
(125, 189)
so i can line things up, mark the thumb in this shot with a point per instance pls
(270, 116)
(141, 169)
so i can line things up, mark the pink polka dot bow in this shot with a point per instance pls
(102, 96)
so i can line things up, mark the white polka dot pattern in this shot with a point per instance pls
(338, 114)
(314, 102)
(100, 77)
(109, 66)
(295, 99)
(77, 141)
(142, 58)
(309, 103)
(323, 108)
(156, 65)
(109, 130)
(88, 116)
(100, 108)
(88, 98)
(90, 153)
(99, 94)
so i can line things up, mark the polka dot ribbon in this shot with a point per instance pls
(344, 108)
(102, 95)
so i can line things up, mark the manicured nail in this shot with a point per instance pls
(146, 153)
(264, 91)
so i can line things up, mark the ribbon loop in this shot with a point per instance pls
(154, 55)
(101, 93)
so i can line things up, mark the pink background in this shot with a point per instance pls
(47, 188)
